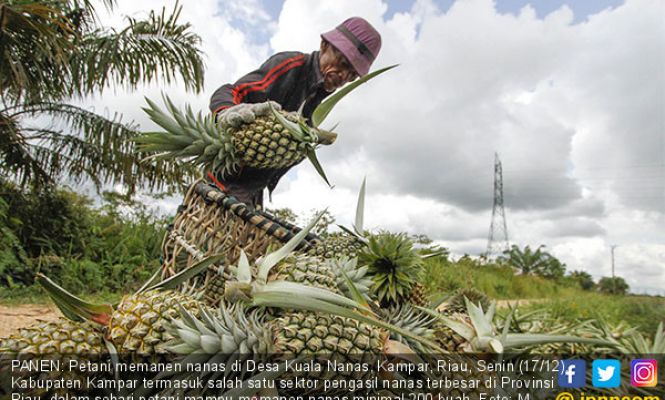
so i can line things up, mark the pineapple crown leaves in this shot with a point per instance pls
(360, 209)
(409, 317)
(481, 336)
(77, 309)
(457, 301)
(636, 343)
(231, 330)
(72, 306)
(355, 293)
(393, 264)
(302, 131)
(347, 268)
(247, 290)
(629, 340)
(195, 138)
(187, 274)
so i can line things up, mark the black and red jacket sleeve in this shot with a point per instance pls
(274, 80)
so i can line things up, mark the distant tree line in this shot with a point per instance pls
(542, 263)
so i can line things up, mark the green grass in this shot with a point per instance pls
(561, 299)
(643, 312)
(499, 282)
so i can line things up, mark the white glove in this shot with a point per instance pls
(245, 113)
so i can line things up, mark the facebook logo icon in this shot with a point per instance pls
(572, 373)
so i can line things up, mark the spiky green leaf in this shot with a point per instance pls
(188, 273)
(322, 111)
(270, 260)
(311, 155)
(360, 210)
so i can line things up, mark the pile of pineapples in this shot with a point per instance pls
(355, 297)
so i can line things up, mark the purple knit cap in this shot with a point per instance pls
(358, 41)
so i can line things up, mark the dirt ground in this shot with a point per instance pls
(21, 315)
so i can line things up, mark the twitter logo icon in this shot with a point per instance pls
(606, 373)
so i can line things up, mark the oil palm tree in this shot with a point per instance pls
(54, 52)
(538, 262)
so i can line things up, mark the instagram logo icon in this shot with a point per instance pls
(643, 373)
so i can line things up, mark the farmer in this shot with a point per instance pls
(286, 80)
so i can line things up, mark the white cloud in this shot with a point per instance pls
(574, 110)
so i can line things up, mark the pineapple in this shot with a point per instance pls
(418, 295)
(448, 338)
(265, 143)
(234, 333)
(61, 337)
(61, 340)
(390, 260)
(138, 323)
(457, 303)
(135, 327)
(350, 242)
(307, 270)
(275, 140)
(213, 290)
(338, 244)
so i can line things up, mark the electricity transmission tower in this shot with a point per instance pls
(497, 241)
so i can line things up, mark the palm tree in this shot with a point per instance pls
(526, 261)
(538, 262)
(583, 279)
(53, 52)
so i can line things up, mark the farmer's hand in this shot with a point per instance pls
(245, 113)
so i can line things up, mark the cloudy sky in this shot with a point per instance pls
(570, 94)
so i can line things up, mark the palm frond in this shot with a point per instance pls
(34, 48)
(92, 146)
(145, 51)
(15, 157)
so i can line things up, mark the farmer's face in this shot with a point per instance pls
(335, 68)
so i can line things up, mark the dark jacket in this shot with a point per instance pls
(288, 78)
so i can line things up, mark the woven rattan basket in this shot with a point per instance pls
(210, 222)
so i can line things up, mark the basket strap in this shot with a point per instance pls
(211, 193)
(311, 237)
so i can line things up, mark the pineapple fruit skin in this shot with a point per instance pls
(323, 338)
(316, 333)
(337, 245)
(310, 271)
(60, 340)
(62, 337)
(139, 324)
(266, 144)
(418, 295)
